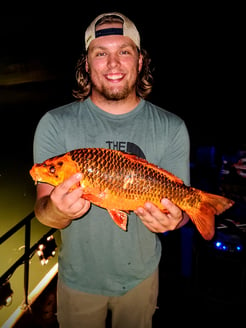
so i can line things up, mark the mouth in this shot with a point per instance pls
(36, 180)
(114, 77)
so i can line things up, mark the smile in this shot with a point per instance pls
(114, 77)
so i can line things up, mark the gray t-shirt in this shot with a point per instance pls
(96, 256)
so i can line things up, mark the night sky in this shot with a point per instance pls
(196, 51)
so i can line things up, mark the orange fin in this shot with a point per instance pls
(204, 221)
(204, 216)
(119, 217)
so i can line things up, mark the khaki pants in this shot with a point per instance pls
(134, 309)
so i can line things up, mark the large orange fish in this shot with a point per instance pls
(121, 182)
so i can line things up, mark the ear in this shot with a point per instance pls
(140, 62)
(86, 64)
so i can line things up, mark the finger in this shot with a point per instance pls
(74, 195)
(151, 211)
(79, 208)
(167, 204)
(70, 182)
(172, 209)
(149, 220)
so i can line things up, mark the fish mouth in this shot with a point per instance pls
(37, 180)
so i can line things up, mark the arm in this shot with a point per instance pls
(57, 206)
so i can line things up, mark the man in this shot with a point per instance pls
(102, 267)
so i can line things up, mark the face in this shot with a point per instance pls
(113, 63)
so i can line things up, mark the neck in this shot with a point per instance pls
(116, 107)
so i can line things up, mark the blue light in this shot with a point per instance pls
(218, 244)
(228, 247)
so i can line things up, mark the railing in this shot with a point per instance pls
(29, 251)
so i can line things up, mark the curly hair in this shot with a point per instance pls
(143, 86)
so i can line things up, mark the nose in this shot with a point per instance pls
(113, 60)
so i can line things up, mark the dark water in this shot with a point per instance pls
(20, 109)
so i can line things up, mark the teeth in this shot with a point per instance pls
(115, 76)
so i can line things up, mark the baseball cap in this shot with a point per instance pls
(128, 29)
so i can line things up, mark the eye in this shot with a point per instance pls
(124, 52)
(101, 54)
(52, 169)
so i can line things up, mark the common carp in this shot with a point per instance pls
(122, 182)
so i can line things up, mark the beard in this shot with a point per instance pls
(113, 94)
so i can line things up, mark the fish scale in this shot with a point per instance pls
(122, 182)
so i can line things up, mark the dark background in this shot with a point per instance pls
(197, 52)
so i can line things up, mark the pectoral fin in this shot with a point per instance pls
(119, 217)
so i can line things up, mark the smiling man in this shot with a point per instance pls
(101, 267)
(113, 67)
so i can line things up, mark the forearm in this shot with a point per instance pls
(48, 215)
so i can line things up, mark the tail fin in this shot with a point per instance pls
(204, 216)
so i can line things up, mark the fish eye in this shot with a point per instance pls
(52, 169)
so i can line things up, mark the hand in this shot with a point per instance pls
(157, 221)
(67, 198)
